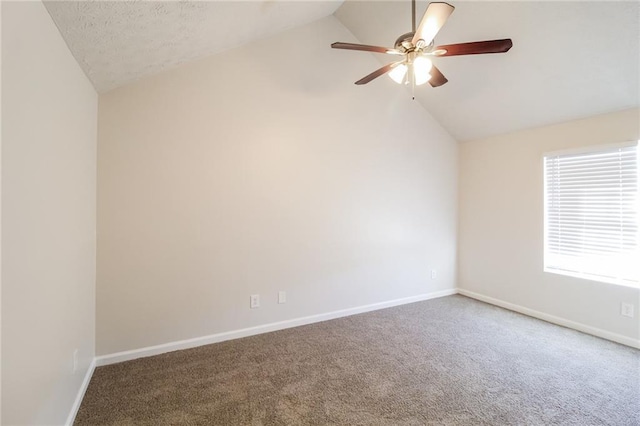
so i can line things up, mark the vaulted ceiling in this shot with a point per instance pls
(569, 60)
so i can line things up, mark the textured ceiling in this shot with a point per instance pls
(569, 60)
(116, 42)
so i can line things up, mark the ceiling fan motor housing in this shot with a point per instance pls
(403, 43)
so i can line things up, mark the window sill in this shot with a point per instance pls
(596, 278)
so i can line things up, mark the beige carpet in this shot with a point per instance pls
(448, 361)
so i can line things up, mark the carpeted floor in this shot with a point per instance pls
(447, 361)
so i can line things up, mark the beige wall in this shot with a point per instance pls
(49, 119)
(501, 224)
(263, 169)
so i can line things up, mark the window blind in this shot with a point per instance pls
(591, 214)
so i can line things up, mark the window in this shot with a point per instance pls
(591, 214)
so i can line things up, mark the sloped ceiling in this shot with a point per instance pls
(570, 59)
(117, 42)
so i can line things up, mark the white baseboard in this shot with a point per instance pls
(245, 332)
(83, 389)
(618, 338)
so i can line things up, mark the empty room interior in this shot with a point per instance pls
(204, 221)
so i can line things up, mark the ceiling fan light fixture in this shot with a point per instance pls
(421, 68)
(422, 79)
(398, 73)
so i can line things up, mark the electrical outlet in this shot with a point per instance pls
(255, 301)
(434, 274)
(282, 297)
(75, 360)
(626, 310)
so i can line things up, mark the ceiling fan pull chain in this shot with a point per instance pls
(413, 83)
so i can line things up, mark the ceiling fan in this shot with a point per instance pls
(417, 46)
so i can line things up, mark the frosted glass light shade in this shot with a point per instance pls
(397, 74)
(421, 68)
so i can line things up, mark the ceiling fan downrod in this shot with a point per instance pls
(413, 16)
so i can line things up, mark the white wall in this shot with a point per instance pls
(501, 224)
(263, 169)
(49, 133)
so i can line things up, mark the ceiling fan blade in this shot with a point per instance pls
(433, 19)
(475, 48)
(364, 47)
(437, 78)
(377, 73)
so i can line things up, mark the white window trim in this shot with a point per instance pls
(590, 148)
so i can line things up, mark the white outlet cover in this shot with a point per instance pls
(254, 301)
(434, 274)
(626, 309)
(75, 360)
(282, 297)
